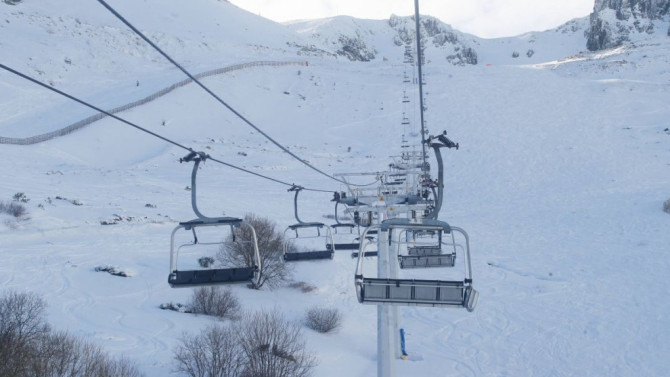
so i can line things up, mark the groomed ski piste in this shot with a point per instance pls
(560, 179)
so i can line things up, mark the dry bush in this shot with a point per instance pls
(22, 316)
(215, 301)
(63, 355)
(29, 349)
(666, 206)
(57, 356)
(273, 347)
(273, 271)
(22, 322)
(212, 353)
(13, 209)
(263, 345)
(323, 320)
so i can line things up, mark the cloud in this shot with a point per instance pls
(484, 18)
(496, 18)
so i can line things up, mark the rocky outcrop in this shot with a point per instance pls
(355, 49)
(614, 22)
(437, 34)
(463, 56)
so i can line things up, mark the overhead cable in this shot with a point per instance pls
(144, 129)
(239, 115)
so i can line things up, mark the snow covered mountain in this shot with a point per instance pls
(560, 178)
(366, 40)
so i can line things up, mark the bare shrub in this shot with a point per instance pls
(20, 197)
(58, 356)
(270, 243)
(22, 315)
(13, 208)
(323, 320)
(29, 349)
(107, 367)
(214, 352)
(63, 355)
(263, 345)
(273, 347)
(666, 206)
(22, 322)
(215, 301)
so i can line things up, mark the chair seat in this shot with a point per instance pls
(308, 255)
(416, 292)
(234, 221)
(350, 226)
(427, 261)
(306, 225)
(347, 246)
(424, 250)
(366, 254)
(212, 276)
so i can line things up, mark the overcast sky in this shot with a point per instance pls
(484, 18)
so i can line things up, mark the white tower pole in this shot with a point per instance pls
(385, 325)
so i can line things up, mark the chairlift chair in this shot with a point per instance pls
(206, 276)
(371, 240)
(367, 254)
(292, 252)
(340, 229)
(415, 292)
(358, 223)
(421, 254)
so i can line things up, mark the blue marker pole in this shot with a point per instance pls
(402, 344)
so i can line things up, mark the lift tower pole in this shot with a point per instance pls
(387, 316)
(419, 62)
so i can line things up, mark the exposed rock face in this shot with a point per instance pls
(440, 35)
(354, 48)
(613, 22)
(651, 9)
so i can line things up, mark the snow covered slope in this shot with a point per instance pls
(84, 50)
(563, 168)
